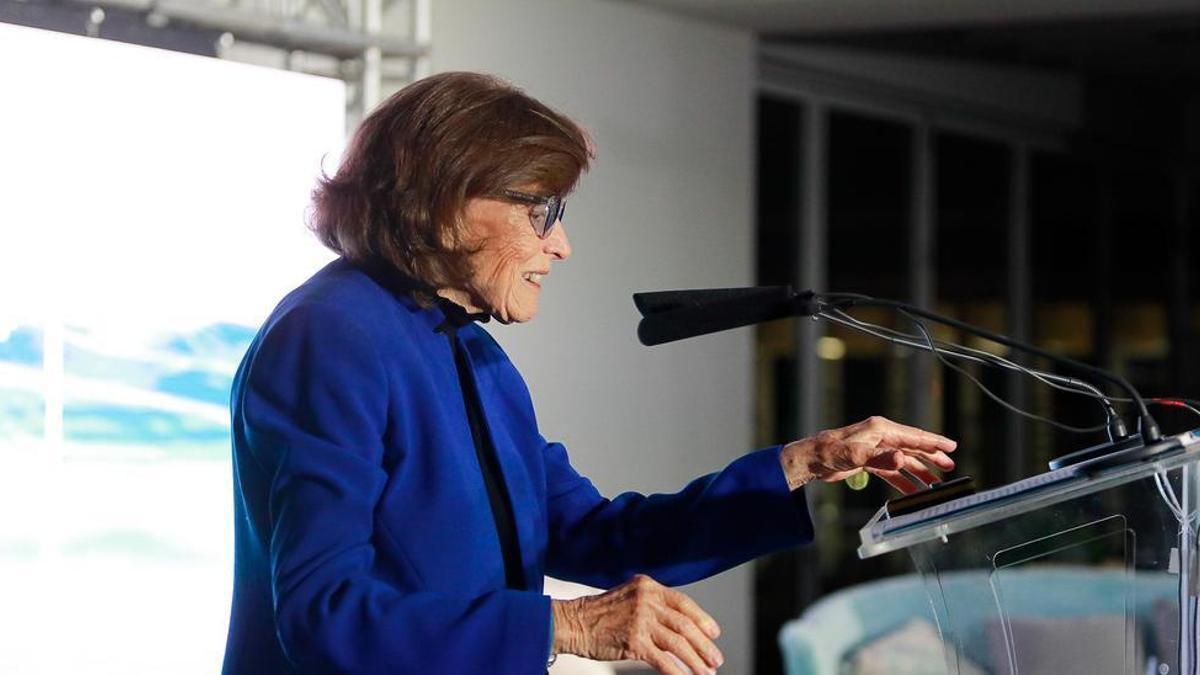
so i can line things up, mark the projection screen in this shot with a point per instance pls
(152, 215)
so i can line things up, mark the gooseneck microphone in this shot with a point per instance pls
(668, 316)
(1150, 429)
(1116, 426)
(675, 315)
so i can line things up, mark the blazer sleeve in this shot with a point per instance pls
(314, 409)
(714, 523)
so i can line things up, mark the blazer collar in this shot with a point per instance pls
(454, 316)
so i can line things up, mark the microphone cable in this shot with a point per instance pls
(995, 397)
(1150, 428)
(1187, 522)
(1067, 384)
(926, 342)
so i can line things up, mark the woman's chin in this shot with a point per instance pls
(520, 318)
(521, 315)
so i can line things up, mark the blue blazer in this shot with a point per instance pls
(365, 541)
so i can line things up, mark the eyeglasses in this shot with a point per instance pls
(545, 213)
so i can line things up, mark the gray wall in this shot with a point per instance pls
(670, 104)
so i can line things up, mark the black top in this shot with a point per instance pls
(485, 452)
(489, 464)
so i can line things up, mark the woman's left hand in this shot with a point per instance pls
(876, 445)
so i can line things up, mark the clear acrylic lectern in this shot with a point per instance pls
(1078, 570)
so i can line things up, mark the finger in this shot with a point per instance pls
(875, 456)
(896, 480)
(911, 437)
(841, 475)
(670, 641)
(920, 470)
(888, 459)
(902, 434)
(662, 662)
(901, 483)
(684, 604)
(938, 459)
(683, 625)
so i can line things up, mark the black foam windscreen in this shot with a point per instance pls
(656, 302)
(676, 315)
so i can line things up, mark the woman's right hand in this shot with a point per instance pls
(876, 445)
(641, 620)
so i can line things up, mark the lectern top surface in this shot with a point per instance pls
(882, 534)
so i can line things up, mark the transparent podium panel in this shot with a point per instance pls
(1064, 573)
(1087, 587)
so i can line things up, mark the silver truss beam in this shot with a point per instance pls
(344, 39)
(276, 30)
(334, 12)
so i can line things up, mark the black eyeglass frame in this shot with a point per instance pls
(555, 207)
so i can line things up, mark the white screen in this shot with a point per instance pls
(151, 214)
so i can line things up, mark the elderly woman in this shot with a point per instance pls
(396, 505)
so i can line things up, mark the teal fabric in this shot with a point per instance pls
(819, 641)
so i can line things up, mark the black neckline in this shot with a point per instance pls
(456, 316)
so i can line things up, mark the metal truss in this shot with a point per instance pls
(370, 44)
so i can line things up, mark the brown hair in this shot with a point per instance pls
(414, 162)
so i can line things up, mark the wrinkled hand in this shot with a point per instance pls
(640, 620)
(876, 445)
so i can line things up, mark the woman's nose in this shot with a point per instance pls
(557, 243)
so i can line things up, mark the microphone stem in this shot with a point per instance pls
(1150, 429)
(1116, 426)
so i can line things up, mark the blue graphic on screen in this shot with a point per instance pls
(170, 392)
(21, 404)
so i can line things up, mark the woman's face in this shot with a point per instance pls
(511, 265)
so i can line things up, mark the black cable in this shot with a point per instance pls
(1069, 384)
(1150, 429)
(1033, 416)
(978, 356)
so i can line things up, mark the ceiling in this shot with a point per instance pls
(1147, 39)
(816, 17)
